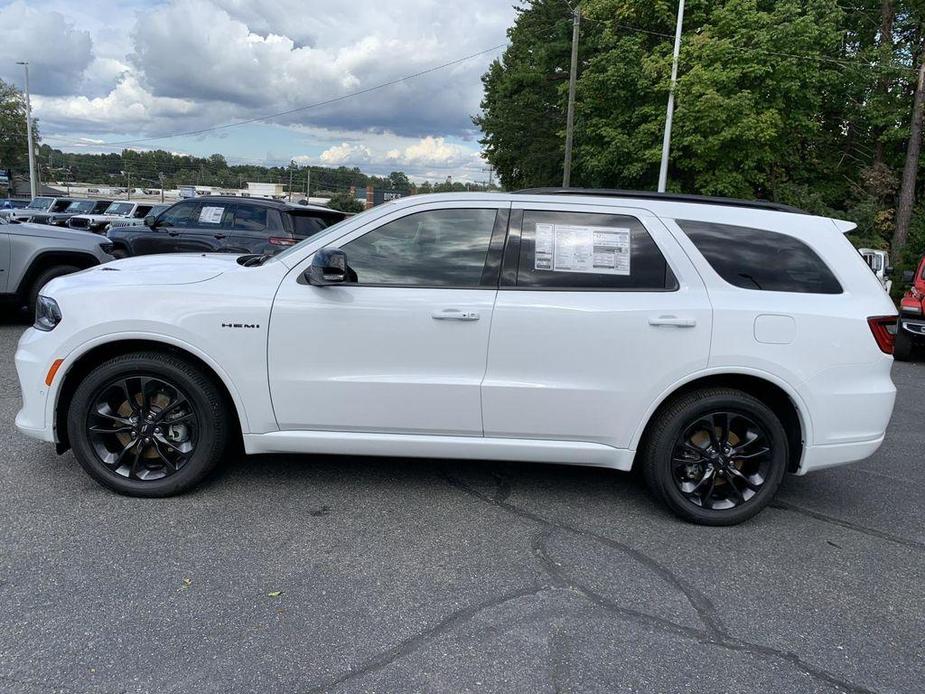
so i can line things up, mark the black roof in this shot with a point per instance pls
(266, 202)
(666, 197)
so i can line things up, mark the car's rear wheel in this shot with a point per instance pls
(903, 345)
(119, 252)
(715, 456)
(148, 424)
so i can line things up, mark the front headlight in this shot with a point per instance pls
(47, 314)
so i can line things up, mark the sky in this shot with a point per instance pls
(112, 74)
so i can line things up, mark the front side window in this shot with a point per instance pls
(581, 250)
(761, 260)
(438, 248)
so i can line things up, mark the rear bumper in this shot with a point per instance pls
(822, 457)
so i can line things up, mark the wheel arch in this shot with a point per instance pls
(48, 259)
(93, 354)
(775, 393)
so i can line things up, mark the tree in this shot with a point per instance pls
(399, 181)
(13, 141)
(345, 202)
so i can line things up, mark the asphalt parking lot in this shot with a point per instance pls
(312, 574)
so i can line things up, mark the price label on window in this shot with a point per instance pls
(572, 248)
(211, 215)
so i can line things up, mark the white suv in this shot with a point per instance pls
(716, 344)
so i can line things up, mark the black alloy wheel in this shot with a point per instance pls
(721, 460)
(142, 427)
(715, 456)
(149, 424)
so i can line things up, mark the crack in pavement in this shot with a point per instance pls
(411, 644)
(864, 530)
(713, 634)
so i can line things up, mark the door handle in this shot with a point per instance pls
(674, 321)
(454, 314)
(219, 236)
(173, 233)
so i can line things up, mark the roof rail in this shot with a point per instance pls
(667, 197)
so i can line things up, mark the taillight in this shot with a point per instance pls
(282, 241)
(884, 330)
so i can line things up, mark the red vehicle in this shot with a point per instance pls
(910, 332)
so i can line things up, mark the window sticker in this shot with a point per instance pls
(571, 248)
(211, 215)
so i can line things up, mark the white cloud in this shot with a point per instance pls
(58, 52)
(433, 153)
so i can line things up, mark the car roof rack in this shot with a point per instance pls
(666, 197)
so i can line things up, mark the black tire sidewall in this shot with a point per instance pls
(903, 344)
(675, 419)
(211, 424)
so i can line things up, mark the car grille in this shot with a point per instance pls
(78, 223)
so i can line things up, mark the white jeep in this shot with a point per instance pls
(715, 344)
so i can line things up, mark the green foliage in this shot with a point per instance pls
(13, 141)
(345, 202)
(799, 101)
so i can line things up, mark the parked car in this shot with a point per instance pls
(38, 205)
(715, 344)
(879, 263)
(910, 332)
(31, 255)
(136, 221)
(77, 207)
(224, 225)
(99, 223)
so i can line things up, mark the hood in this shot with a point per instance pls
(47, 231)
(153, 270)
(99, 217)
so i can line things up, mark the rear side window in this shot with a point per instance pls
(580, 250)
(761, 260)
(250, 218)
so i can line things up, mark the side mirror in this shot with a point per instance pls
(908, 276)
(888, 271)
(149, 220)
(329, 266)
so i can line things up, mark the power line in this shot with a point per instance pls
(307, 107)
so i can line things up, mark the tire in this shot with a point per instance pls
(44, 278)
(207, 425)
(903, 345)
(664, 448)
(119, 252)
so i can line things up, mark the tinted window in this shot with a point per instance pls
(578, 250)
(306, 225)
(60, 205)
(761, 260)
(440, 248)
(250, 218)
(183, 214)
(141, 211)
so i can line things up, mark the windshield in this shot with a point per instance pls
(355, 217)
(120, 208)
(39, 204)
(80, 206)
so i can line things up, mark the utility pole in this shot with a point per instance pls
(570, 117)
(290, 182)
(308, 183)
(669, 116)
(33, 181)
(160, 177)
(128, 190)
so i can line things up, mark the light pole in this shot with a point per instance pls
(33, 182)
(570, 114)
(669, 117)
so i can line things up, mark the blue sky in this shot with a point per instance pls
(107, 71)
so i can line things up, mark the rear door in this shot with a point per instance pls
(250, 227)
(599, 312)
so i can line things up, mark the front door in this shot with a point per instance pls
(599, 312)
(164, 236)
(402, 349)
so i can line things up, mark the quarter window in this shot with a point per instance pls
(438, 248)
(761, 260)
(580, 250)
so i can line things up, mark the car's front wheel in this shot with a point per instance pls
(715, 456)
(148, 424)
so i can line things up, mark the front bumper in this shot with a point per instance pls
(32, 364)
